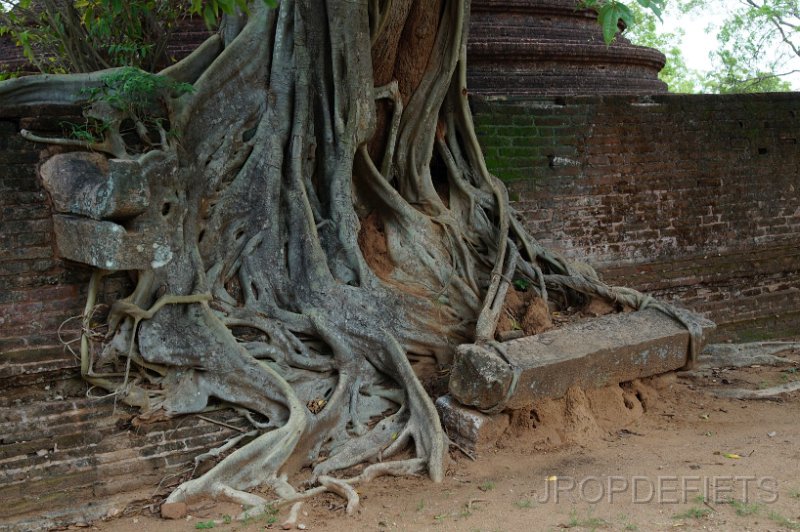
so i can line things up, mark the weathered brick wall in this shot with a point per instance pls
(688, 197)
(64, 457)
(37, 291)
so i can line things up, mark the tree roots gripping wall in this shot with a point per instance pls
(330, 233)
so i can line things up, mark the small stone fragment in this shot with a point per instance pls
(479, 377)
(174, 510)
(468, 428)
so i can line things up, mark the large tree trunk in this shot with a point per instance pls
(339, 271)
(333, 234)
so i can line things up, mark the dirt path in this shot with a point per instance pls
(691, 461)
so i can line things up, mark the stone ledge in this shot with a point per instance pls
(589, 354)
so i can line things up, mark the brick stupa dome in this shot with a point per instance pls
(516, 47)
(547, 47)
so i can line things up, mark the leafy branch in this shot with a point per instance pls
(611, 12)
(89, 35)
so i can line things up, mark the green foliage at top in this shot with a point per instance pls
(759, 44)
(733, 74)
(212, 9)
(611, 12)
(88, 35)
(759, 41)
(676, 74)
(136, 92)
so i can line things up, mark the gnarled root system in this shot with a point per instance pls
(333, 234)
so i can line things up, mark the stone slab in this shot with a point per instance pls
(591, 353)
(108, 245)
(470, 429)
(88, 184)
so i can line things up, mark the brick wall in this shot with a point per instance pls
(37, 290)
(689, 197)
(683, 196)
(64, 457)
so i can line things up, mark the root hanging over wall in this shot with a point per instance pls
(329, 233)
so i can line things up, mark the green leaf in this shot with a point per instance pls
(608, 18)
(522, 284)
(656, 6)
(227, 6)
(210, 15)
(624, 13)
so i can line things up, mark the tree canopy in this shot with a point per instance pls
(757, 45)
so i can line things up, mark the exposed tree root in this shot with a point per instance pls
(766, 393)
(742, 355)
(268, 301)
(294, 513)
(717, 356)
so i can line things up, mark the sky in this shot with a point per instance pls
(700, 36)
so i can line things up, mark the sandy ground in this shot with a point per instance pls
(661, 455)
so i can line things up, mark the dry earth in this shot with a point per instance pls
(666, 454)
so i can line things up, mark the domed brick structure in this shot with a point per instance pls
(516, 47)
(548, 47)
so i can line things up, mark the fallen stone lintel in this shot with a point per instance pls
(108, 245)
(591, 353)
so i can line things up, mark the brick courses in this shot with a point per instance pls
(64, 457)
(687, 197)
(693, 197)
